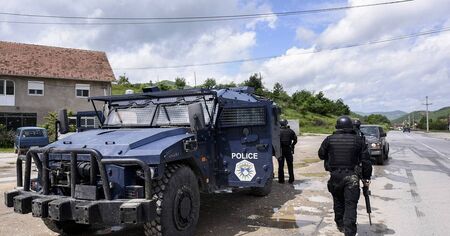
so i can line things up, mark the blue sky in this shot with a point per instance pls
(380, 77)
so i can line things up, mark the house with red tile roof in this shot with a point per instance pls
(36, 80)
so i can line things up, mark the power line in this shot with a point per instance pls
(430, 32)
(183, 19)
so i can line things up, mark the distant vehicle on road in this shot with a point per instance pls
(376, 140)
(406, 129)
(27, 137)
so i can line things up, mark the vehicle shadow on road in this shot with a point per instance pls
(237, 213)
(229, 214)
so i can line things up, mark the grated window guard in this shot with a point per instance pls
(235, 117)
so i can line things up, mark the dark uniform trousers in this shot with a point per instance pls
(344, 187)
(289, 158)
(342, 152)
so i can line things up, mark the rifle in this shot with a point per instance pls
(366, 193)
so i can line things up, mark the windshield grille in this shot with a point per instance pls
(178, 115)
(169, 112)
(132, 116)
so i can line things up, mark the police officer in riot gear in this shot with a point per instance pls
(346, 158)
(288, 139)
(357, 127)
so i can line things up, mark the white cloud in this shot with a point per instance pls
(305, 36)
(388, 76)
(369, 79)
(365, 24)
(220, 45)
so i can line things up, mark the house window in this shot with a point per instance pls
(7, 97)
(87, 122)
(12, 121)
(2, 87)
(82, 90)
(9, 87)
(36, 88)
(6, 87)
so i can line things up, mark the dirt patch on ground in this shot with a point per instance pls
(318, 174)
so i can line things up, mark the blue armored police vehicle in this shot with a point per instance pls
(147, 164)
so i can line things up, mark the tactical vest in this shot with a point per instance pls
(285, 137)
(343, 151)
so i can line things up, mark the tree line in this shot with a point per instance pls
(302, 101)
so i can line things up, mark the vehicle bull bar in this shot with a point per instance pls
(96, 160)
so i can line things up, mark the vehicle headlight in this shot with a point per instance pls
(375, 145)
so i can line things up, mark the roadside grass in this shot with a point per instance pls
(6, 150)
(311, 122)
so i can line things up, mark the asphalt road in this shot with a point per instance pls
(410, 195)
(411, 192)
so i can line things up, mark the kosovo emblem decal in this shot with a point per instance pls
(245, 170)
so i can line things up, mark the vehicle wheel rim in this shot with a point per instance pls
(183, 209)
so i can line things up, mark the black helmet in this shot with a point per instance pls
(344, 122)
(357, 123)
(283, 122)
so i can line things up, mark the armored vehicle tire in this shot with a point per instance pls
(262, 191)
(65, 227)
(178, 203)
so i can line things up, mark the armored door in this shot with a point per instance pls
(245, 145)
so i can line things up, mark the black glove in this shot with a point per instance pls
(292, 149)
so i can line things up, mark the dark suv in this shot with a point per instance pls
(377, 143)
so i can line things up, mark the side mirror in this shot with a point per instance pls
(63, 121)
(383, 135)
(196, 116)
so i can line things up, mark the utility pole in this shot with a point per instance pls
(195, 80)
(427, 104)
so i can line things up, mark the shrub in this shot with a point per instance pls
(6, 137)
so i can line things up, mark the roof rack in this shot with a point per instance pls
(158, 94)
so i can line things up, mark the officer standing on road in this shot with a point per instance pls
(288, 139)
(357, 127)
(346, 158)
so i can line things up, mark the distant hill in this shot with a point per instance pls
(391, 115)
(417, 115)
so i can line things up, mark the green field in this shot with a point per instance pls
(6, 150)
